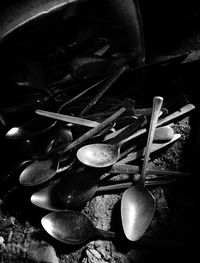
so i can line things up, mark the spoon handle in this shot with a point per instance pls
(118, 186)
(92, 132)
(157, 104)
(140, 153)
(107, 85)
(128, 133)
(106, 234)
(135, 169)
(129, 104)
(67, 118)
(80, 94)
(182, 111)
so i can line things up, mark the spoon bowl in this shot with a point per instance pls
(46, 198)
(30, 129)
(28, 176)
(72, 227)
(98, 155)
(101, 155)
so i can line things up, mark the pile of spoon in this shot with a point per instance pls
(68, 173)
(68, 157)
(66, 195)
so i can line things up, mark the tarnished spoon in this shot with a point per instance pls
(138, 204)
(47, 198)
(72, 227)
(103, 155)
(35, 127)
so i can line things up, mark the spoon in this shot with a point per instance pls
(67, 118)
(138, 204)
(72, 227)
(75, 228)
(47, 198)
(30, 129)
(103, 155)
(40, 171)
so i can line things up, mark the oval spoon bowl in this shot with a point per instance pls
(98, 155)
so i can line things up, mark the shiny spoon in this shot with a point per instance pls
(75, 228)
(72, 227)
(47, 198)
(30, 129)
(103, 155)
(138, 204)
(67, 118)
(40, 171)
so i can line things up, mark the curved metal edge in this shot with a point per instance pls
(128, 13)
(16, 16)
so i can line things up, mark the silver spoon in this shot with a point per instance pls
(72, 227)
(47, 198)
(103, 155)
(138, 204)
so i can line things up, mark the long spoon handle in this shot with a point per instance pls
(80, 94)
(157, 104)
(92, 132)
(107, 85)
(118, 186)
(135, 169)
(179, 113)
(105, 234)
(67, 118)
(127, 134)
(140, 153)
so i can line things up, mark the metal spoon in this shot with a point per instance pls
(103, 155)
(47, 198)
(138, 204)
(40, 171)
(30, 129)
(75, 228)
(67, 118)
(72, 227)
